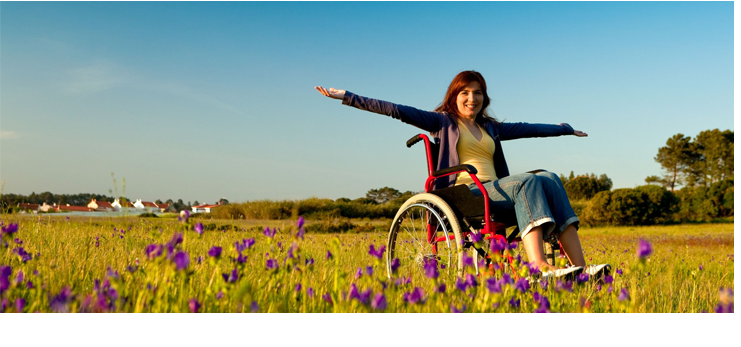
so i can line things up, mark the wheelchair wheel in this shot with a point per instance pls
(421, 216)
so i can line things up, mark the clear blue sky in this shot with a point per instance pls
(207, 100)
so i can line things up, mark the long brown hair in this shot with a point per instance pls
(459, 82)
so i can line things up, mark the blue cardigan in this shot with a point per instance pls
(444, 128)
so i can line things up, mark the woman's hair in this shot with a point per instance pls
(459, 82)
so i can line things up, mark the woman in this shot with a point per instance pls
(467, 135)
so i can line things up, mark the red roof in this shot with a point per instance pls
(29, 206)
(74, 208)
(205, 206)
(163, 205)
(103, 204)
(149, 204)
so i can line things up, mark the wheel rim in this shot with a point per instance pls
(409, 240)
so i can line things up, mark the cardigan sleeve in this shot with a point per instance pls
(511, 131)
(425, 120)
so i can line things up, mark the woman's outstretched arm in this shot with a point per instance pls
(512, 131)
(425, 120)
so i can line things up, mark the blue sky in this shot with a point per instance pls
(207, 100)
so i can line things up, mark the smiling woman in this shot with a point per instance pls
(538, 202)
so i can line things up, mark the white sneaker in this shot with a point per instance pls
(598, 271)
(568, 273)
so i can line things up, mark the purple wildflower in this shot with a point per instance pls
(328, 298)
(199, 228)
(415, 296)
(132, 268)
(454, 309)
(310, 292)
(253, 307)
(493, 285)
(220, 294)
(60, 302)
(476, 237)
(269, 233)
(328, 256)
(359, 273)
(29, 285)
(623, 294)
(181, 260)
(431, 268)
(369, 271)
(471, 281)
(514, 302)
(441, 288)
(214, 252)
(567, 286)
(497, 245)
(700, 268)
(18, 241)
(506, 279)
(300, 226)
(25, 256)
(20, 303)
(377, 253)
(522, 285)
(608, 279)
(461, 285)
(395, 265)
(272, 264)
(644, 249)
(19, 277)
(9, 229)
(177, 239)
(403, 281)
(153, 251)
(619, 271)
(298, 287)
(467, 261)
(544, 306)
(583, 277)
(194, 305)
(231, 277)
(379, 302)
(543, 284)
(309, 262)
(5, 272)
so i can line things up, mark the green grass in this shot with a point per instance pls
(65, 255)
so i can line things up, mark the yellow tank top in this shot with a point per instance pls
(480, 154)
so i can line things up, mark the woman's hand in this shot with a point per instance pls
(577, 132)
(332, 93)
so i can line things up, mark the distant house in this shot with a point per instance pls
(68, 208)
(27, 207)
(100, 205)
(117, 206)
(203, 208)
(45, 207)
(150, 206)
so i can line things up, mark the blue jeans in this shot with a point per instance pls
(530, 200)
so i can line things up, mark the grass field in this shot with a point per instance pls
(56, 264)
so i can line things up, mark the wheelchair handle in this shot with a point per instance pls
(467, 168)
(411, 142)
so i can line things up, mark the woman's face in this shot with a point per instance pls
(470, 99)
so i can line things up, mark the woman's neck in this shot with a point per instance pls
(468, 121)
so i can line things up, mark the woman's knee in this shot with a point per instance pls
(549, 175)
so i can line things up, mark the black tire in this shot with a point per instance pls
(408, 236)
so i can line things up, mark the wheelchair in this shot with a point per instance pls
(445, 224)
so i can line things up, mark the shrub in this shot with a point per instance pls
(644, 205)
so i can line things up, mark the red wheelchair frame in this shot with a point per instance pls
(492, 230)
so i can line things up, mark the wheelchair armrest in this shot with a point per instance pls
(411, 142)
(467, 168)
